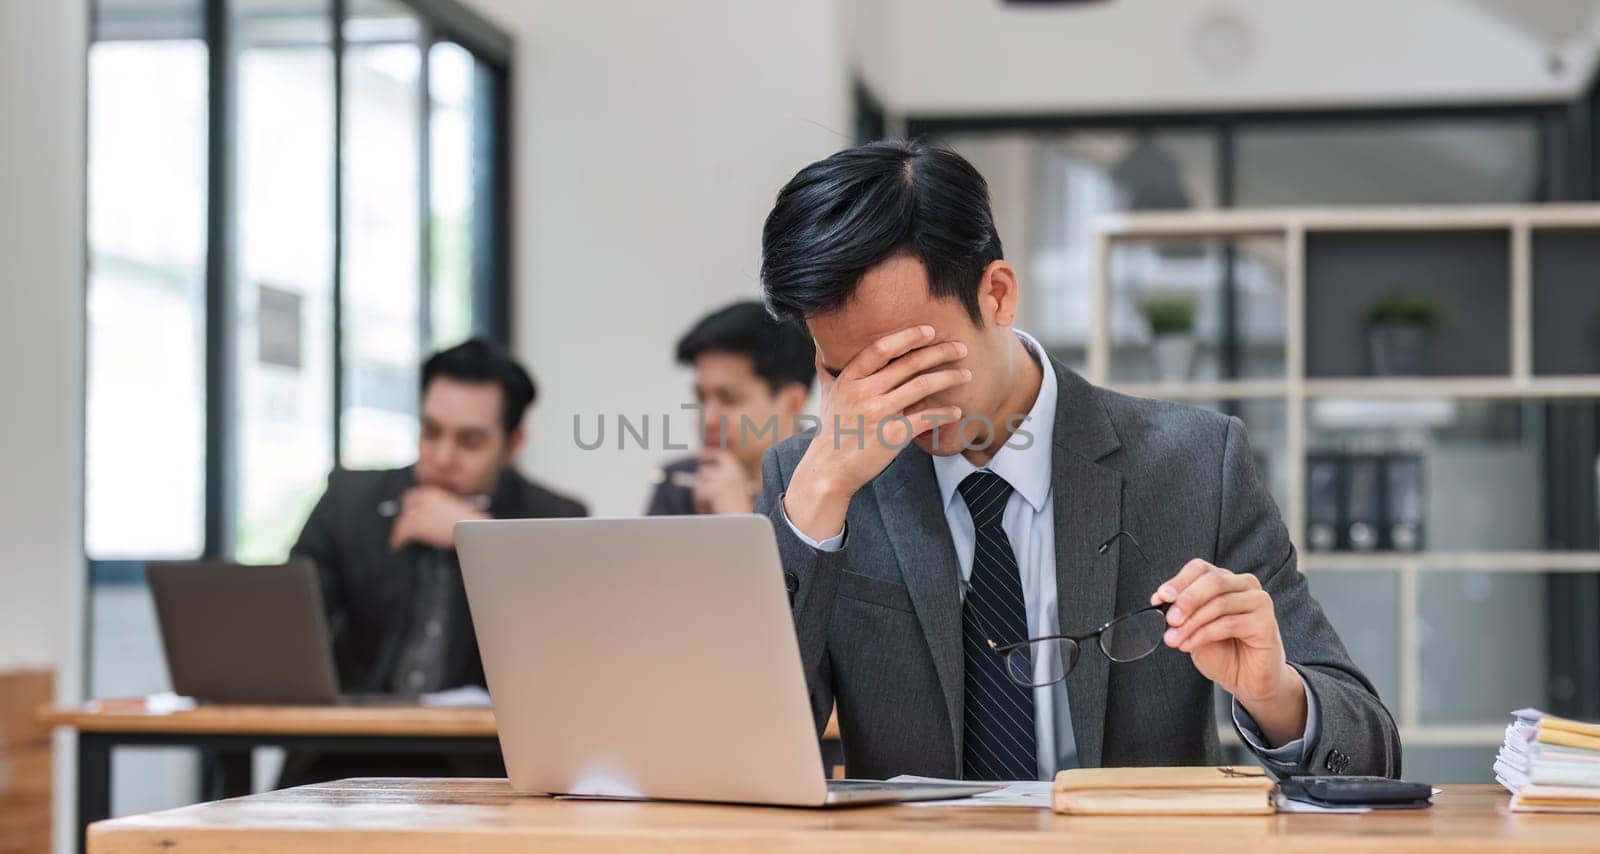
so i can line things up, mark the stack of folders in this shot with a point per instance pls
(1550, 764)
(1163, 791)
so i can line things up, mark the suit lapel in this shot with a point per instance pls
(908, 500)
(1087, 498)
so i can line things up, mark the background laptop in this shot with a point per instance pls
(246, 634)
(650, 657)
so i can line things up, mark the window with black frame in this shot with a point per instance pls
(290, 203)
(388, 166)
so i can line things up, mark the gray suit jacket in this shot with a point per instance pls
(879, 622)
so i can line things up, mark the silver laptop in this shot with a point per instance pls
(651, 658)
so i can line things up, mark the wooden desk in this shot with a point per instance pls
(483, 816)
(397, 720)
(227, 734)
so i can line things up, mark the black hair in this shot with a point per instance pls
(479, 360)
(780, 351)
(841, 216)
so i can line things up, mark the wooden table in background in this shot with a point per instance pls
(227, 734)
(484, 817)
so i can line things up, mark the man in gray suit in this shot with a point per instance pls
(967, 493)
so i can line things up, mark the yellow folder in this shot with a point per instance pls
(1571, 733)
(1567, 738)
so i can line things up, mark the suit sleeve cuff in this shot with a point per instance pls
(1291, 754)
(831, 544)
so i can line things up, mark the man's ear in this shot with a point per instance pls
(514, 442)
(998, 293)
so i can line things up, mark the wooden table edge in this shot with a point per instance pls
(937, 829)
(413, 722)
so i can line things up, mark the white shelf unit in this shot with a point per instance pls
(1295, 389)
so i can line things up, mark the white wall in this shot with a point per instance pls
(651, 139)
(978, 56)
(41, 329)
(42, 69)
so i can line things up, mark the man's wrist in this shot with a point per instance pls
(815, 503)
(1281, 714)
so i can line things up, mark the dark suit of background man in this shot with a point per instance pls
(749, 369)
(911, 547)
(384, 545)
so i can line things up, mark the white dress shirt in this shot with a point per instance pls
(1029, 524)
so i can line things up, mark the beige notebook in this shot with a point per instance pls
(1242, 790)
(1537, 798)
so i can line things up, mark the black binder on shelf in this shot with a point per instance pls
(1404, 500)
(1363, 503)
(1365, 500)
(1324, 500)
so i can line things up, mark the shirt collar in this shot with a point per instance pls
(1026, 469)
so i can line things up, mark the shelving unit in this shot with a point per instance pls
(1297, 228)
(1504, 388)
(1451, 561)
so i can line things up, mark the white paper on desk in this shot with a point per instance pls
(167, 702)
(1032, 794)
(1290, 805)
(164, 703)
(465, 697)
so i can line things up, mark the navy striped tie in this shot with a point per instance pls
(999, 741)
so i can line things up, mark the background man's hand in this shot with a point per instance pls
(1226, 623)
(877, 389)
(721, 484)
(428, 516)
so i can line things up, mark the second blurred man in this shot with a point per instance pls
(752, 377)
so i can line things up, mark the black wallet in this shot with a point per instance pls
(1374, 792)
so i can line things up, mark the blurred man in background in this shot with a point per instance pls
(384, 543)
(752, 375)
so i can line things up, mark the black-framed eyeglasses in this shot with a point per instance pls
(1036, 662)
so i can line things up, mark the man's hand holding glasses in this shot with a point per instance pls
(1227, 625)
(1222, 619)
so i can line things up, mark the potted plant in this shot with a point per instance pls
(1399, 329)
(1171, 320)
